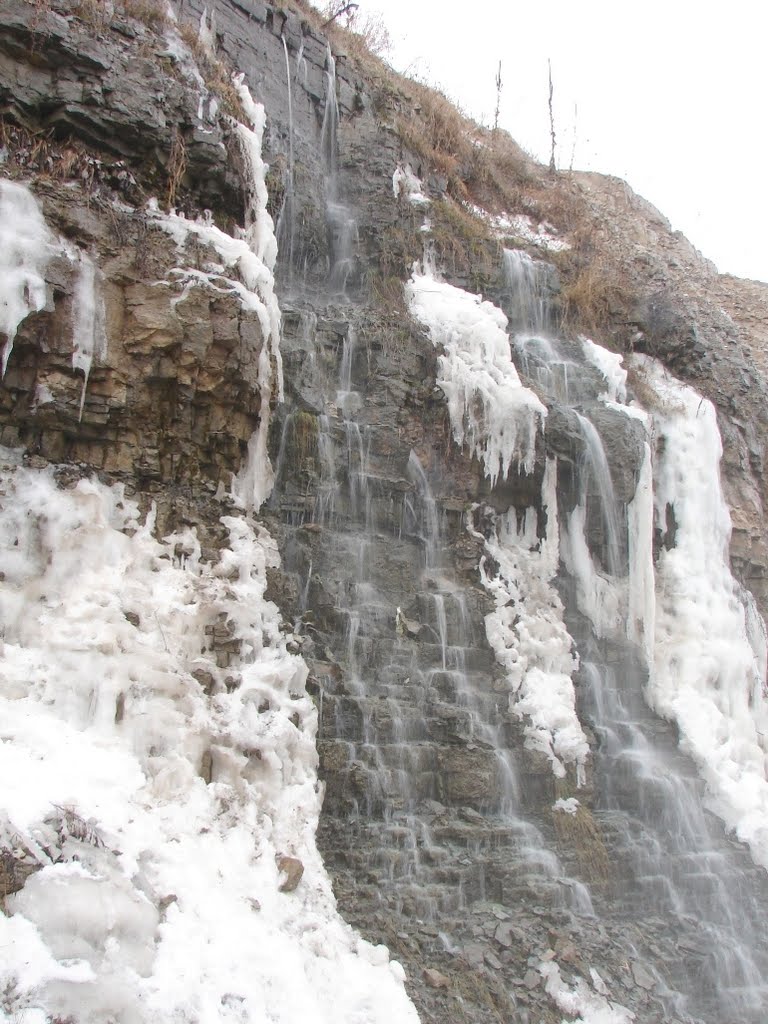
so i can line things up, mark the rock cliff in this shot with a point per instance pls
(503, 842)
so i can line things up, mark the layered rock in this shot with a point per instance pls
(421, 755)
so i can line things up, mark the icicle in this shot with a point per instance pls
(89, 337)
(610, 365)
(24, 252)
(206, 33)
(641, 602)
(491, 412)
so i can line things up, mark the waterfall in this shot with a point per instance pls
(341, 223)
(672, 857)
(528, 294)
(286, 222)
(683, 867)
(600, 474)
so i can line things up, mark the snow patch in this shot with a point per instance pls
(543, 235)
(566, 806)
(582, 1004)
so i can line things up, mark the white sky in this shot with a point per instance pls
(671, 95)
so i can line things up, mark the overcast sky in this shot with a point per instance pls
(672, 96)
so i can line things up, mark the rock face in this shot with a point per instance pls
(439, 826)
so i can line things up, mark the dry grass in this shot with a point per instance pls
(463, 242)
(581, 833)
(216, 73)
(595, 298)
(177, 165)
(152, 13)
(43, 154)
(437, 131)
(397, 248)
(95, 14)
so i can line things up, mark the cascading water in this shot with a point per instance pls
(285, 230)
(684, 870)
(529, 296)
(597, 471)
(418, 747)
(676, 871)
(341, 223)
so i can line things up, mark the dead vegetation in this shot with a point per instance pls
(177, 165)
(42, 153)
(216, 73)
(98, 15)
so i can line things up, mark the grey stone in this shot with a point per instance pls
(642, 977)
(532, 979)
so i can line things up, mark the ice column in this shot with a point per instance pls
(24, 251)
(254, 482)
(709, 656)
(89, 334)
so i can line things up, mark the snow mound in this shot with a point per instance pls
(161, 744)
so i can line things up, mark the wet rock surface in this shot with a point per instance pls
(438, 826)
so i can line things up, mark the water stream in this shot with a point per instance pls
(340, 220)
(676, 870)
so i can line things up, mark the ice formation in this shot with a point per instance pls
(584, 1005)
(406, 183)
(251, 257)
(491, 412)
(709, 655)
(158, 785)
(89, 329)
(154, 788)
(527, 633)
(611, 366)
(700, 633)
(25, 246)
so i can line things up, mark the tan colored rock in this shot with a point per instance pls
(435, 978)
(291, 870)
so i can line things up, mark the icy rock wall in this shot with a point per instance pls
(170, 800)
(155, 790)
(172, 410)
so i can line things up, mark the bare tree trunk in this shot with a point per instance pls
(498, 100)
(552, 167)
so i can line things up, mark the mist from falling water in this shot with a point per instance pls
(683, 867)
(447, 614)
